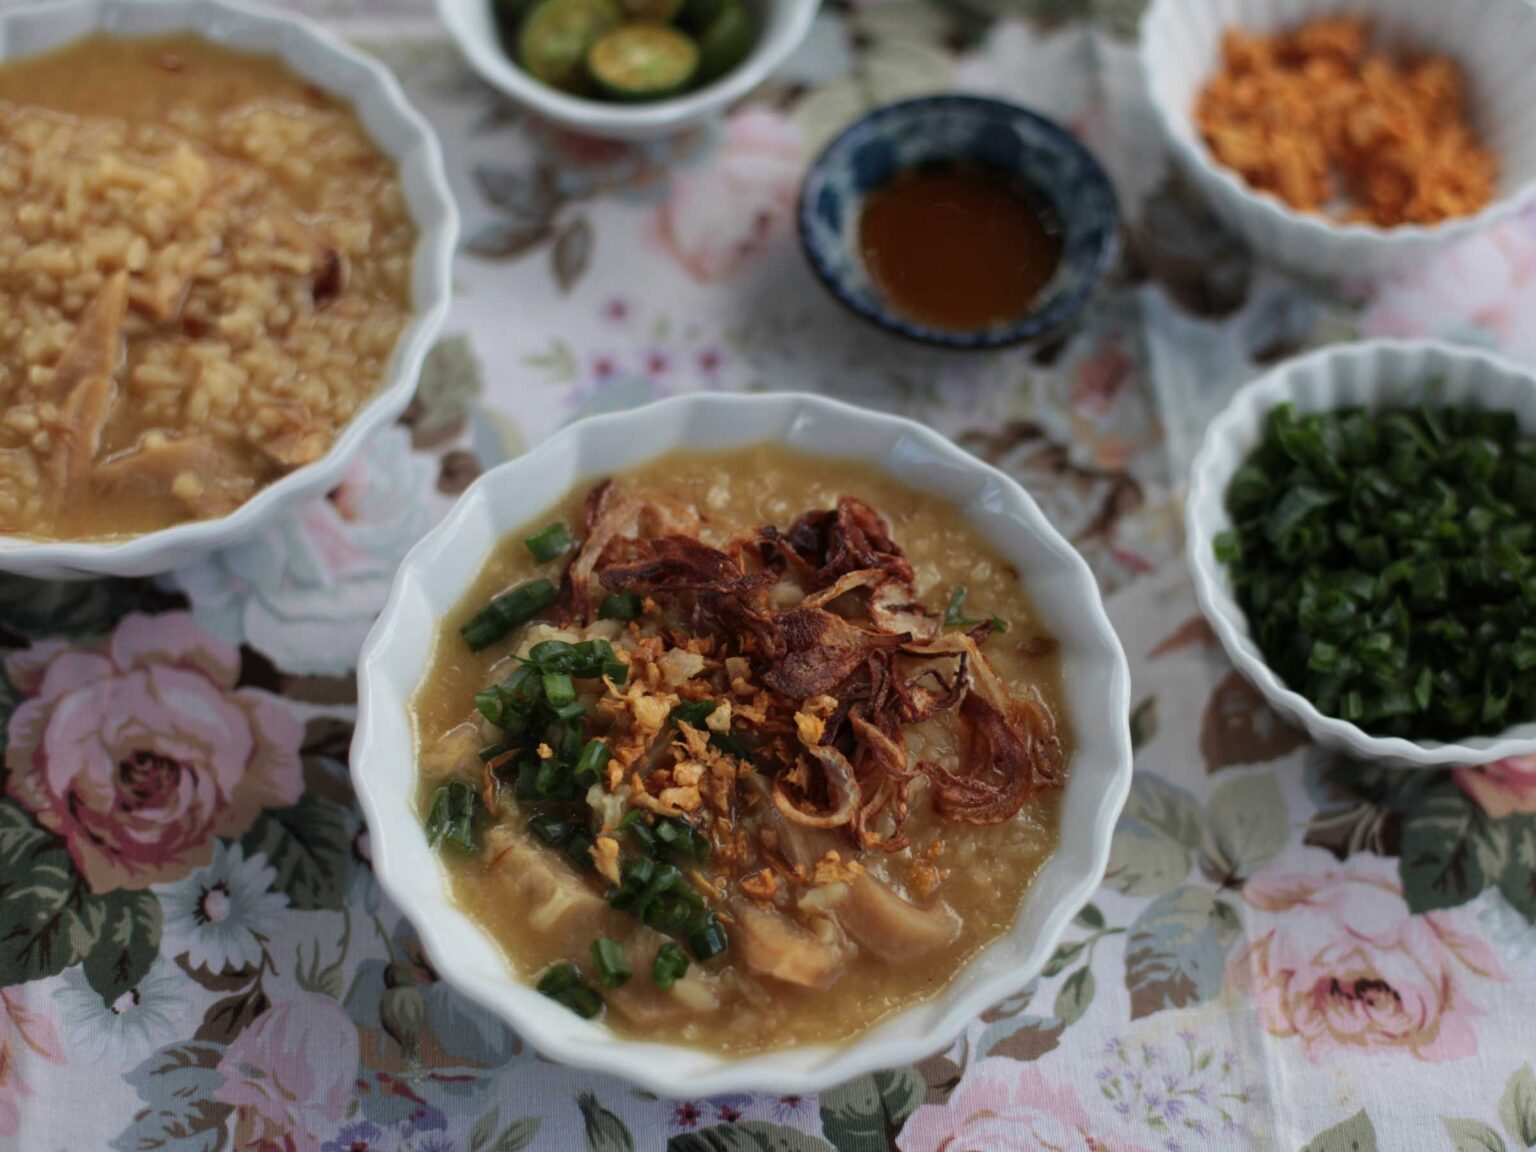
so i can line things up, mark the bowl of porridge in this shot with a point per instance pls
(742, 742)
(229, 253)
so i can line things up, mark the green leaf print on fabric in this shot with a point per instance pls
(1518, 883)
(128, 944)
(451, 378)
(1177, 949)
(1473, 1136)
(1517, 1108)
(515, 1137)
(605, 1131)
(48, 921)
(1075, 995)
(1356, 1134)
(1155, 840)
(749, 1136)
(177, 1084)
(864, 1115)
(308, 845)
(36, 609)
(1245, 827)
(1452, 850)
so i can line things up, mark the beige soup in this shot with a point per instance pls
(203, 272)
(542, 911)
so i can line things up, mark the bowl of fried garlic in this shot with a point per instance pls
(1345, 141)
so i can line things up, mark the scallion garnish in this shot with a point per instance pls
(549, 828)
(670, 965)
(508, 611)
(590, 764)
(619, 606)
(548, 543)
(451, 819)
(611, 963)
(692, 712)
(562, 983)
(955, 617)
(706, 937)
(558, 689)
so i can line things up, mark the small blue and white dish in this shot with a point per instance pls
(938, 130)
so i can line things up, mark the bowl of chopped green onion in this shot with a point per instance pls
(1362, 533)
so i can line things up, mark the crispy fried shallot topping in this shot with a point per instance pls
(815, 688)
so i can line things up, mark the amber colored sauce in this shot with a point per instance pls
(960, 248)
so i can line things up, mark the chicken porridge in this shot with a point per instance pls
(743, 750)
(205, 272)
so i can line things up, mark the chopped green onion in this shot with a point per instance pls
(590, 764)
(451, 818)
(706, 937)
(612, 965)
(558, 689)
(619, 606)
(550, 829)
(554, 780)
(670, 965)
(562, 983)
(681, 836)
(508, 611)
(692, 712)
(548, 543)
(578, 846)
(955, 617)
(731, 745)
(954, 611)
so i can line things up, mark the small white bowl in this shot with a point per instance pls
(441, 568)
(781, 25)
(1494, 41)
(1376, 374)
(395, 127)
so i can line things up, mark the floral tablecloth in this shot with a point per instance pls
(1289, 951)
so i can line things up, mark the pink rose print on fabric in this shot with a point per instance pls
(26, 1035)
(1003, 1106)
(1503, 788)
(1336, 959)
(722, 214)
(289, 1075)
(141, 751)
(1482, 291)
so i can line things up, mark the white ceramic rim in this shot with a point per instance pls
(1075, 870)
(1315, 225)
(432, 209)
(1213, 469)
(627, 120)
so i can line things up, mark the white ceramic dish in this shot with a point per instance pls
(1379, 374)
(1493, 40)
(781, 25)
(396, 128)
(439, 570)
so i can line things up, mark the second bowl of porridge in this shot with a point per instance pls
(229, 255)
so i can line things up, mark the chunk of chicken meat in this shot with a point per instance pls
(773, 945)
(209, 478)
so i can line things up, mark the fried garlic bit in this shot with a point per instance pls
(1317, 118)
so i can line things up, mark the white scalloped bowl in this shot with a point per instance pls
(781, 26)
(1493, 40)
(1375, 374)
(442, 567)
(395, 127)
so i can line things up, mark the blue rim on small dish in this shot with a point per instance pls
(939, 129)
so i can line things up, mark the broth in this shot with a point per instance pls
(982, 873)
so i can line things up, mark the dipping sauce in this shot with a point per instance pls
(961, 247)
